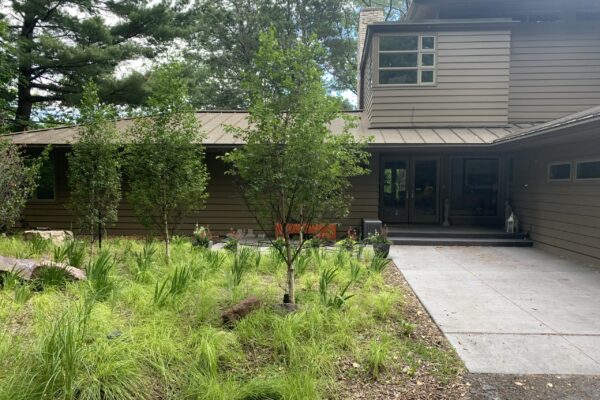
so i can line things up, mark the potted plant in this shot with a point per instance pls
(202, 237)
(380, 242)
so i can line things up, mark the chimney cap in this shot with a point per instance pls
(372, 9)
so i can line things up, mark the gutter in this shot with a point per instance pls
(547, 128)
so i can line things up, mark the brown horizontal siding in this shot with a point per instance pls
(225, 207)
(471, 86)
(555, 70)
(561, 216)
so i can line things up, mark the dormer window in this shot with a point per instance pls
(407, 60)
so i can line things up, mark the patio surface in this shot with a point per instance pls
(509, 310)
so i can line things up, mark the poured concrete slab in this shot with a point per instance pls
(509, 310)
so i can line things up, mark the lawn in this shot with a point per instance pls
(141, 329)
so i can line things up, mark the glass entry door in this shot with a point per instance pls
(424, 196)
(394, 190)
(409, 190)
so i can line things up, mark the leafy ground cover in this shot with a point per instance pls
(142, 329)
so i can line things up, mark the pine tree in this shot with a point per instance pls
(62, 44)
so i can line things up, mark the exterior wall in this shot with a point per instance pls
(554, 70)
(560, 216)
(225, 208)
(471, 86)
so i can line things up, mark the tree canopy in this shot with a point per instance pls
(61, 44)
(226, 40)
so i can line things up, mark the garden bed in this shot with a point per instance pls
(142, 329)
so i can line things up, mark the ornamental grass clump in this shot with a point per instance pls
(164, 337)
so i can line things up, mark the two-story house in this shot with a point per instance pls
(476, 107)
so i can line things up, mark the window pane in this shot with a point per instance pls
(474, 187)
(588, 170)
(427, 76)
(428, 43)
(398, 77)
(45, 189)
(427, 60)
(398, 59)
(387, 43)
(559, 172)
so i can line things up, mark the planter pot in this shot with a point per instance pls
(381, 249)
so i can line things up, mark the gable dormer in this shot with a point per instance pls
(437, 73)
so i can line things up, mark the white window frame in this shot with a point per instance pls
(420, 67)
(574, 173)
(550, 165)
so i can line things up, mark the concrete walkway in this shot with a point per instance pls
(509, 310)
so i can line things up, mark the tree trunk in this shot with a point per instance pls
(167, 239)
(24, 103)
(291, 283)
(100, 235)
(24, 98)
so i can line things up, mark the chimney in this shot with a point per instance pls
(368, 15)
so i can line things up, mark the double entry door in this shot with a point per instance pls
(409, 189)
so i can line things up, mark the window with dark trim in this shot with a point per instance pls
(588, 170)
(474, 186)
(559, 171)
(46, 183)
(407, 60)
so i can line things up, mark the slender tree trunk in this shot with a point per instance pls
(290, 267)
(167, 239)
(99, 235)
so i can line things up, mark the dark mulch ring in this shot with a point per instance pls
(426, 382)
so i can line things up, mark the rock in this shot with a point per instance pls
(57, 237)
(240, 310)
(28, 269)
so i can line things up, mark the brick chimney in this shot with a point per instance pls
(368, 15)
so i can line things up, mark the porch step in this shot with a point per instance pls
(457, 241)
(453, 233)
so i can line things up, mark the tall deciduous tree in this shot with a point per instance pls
(225, 42)
(165, 160)
(61, 44)
(18, 181)
(95, 166)
(293, 169)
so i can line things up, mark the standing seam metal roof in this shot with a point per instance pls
(214, 126)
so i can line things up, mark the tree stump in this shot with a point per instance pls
(240, 310)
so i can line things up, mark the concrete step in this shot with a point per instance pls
(458, 241)
(455, 234)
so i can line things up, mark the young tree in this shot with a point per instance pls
(165, 160)
(293, 169)
(18, 181)
(95, 166)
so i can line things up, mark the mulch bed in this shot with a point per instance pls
(423, 384)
